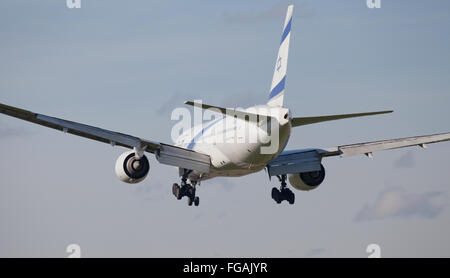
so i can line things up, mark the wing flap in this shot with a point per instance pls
(296, 162)
(183, 158)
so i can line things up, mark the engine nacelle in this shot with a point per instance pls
(307, 181)
(130, 169)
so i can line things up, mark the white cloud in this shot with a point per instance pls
(396, 202)
(317, 252)
(7, 132)
(405, 161)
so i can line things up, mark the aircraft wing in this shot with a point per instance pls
(165, 153)
(369, 147)
(308, 160)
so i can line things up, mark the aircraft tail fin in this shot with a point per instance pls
(279, 76)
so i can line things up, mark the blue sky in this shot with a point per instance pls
(125, 65)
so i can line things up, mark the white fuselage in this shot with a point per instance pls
(238, 147)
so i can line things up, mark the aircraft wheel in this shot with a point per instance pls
(290, 196)
(190, 201)
(196, 201)
(176, 191)
(276, 195)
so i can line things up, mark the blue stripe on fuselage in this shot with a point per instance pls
(196, 137)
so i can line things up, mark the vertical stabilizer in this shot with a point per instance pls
(279, 76)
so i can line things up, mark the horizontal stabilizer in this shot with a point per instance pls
(312, 120)
(227, 111)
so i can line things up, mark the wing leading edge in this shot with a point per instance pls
(166, 154)
(369, 147)
(306, 160)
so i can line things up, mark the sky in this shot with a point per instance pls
(125, 65)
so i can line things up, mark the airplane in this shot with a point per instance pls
(199, 159)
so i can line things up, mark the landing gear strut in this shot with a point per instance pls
(186, 189)
(283, 193)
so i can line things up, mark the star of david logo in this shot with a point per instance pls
(279, 63)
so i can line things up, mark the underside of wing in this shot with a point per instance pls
(296, 161)
(298, 121)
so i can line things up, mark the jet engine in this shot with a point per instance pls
(131, 169)
(307, 181)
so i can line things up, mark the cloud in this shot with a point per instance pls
(317, 252)
(397, 203)
(243, 99)
(174, 101)
(405, 161)
(197, 217)
(150, 192)
(222, 215)
(6, 132)
(225, 183)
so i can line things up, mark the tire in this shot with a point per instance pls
(276, 195)
(190, 201)
(196, 201)
(176, 191)
(290, 197)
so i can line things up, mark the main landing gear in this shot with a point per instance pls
(284, 193)
(187, 190)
